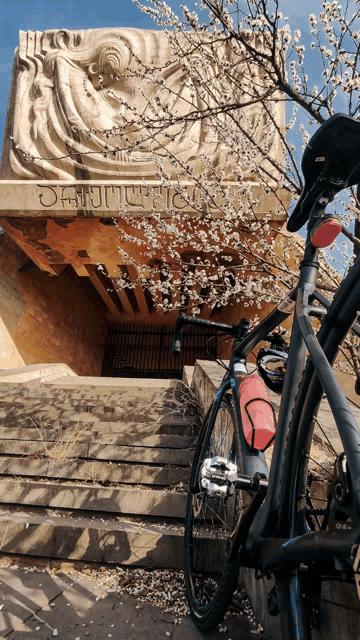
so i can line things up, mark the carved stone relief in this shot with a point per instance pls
(68, 84)
(69, 92)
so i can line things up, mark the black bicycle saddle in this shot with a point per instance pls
(332, 154)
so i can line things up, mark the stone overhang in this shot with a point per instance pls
(108, 199)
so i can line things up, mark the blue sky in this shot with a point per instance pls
(85, 14)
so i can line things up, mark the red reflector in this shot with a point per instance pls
(324, 234)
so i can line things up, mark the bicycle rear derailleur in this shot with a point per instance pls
(343, 512)
(342, 509)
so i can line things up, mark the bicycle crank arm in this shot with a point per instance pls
(251, 484)
(237, 539)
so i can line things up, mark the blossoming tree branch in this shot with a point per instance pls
(207, 114)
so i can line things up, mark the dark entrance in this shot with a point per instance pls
(144, 351)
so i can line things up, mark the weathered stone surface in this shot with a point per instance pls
(23, 466)
(116, 383)
(22, 597)
(76, 604)
(188, 372)
(38, 372)
(102, 437)
(47, 317)
(50, 199)
(97, 471)
(82, 82)
(95, 540)
(126, 501)
(206, 379)
(80, 609)
(92, 415)
(105, 452)
(91, 418)
(93, 470)
(58, 467)
(39, 447)
(9, 354)
(118, 396)
(141, 454)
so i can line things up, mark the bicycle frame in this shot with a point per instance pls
(258, 526)
(273, 554)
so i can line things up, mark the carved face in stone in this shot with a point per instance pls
(110, 64)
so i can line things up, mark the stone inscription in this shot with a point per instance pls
(112, 197)
(108, 199)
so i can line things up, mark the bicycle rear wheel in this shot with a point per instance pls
(210, 518)
(313, 446)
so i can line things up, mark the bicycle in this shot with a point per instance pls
(238, 513)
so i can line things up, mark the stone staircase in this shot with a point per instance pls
(94, 469)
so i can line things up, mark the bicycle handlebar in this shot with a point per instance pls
(231, 329)
(178, 332)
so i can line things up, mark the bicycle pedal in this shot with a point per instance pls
(219, 467)
(218, 476)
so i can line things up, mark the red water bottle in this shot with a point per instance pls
(257, 413)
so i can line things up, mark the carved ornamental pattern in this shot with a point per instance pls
(68, 84)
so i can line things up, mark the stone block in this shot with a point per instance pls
(120, 501)
(94, 540)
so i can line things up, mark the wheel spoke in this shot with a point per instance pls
(210, 520)
(336, 453)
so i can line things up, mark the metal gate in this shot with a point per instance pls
(144, 351)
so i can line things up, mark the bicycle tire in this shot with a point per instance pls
(296, 502)
(211, 581)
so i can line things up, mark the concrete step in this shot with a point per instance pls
(105, 395)
(128, 408)
(153, 402)
(96, 385)
(123, 500)
(117, 382)
(50, 428)
(121, 438)
(59, 372)
(118, 540)
(78, 418)
(93, 471)
(14, 392)
(114, 453)
(92, 539)
(47, 421)
(118, 448)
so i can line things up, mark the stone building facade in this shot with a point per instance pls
(65, 179)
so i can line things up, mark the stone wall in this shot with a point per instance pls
(45, 318)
